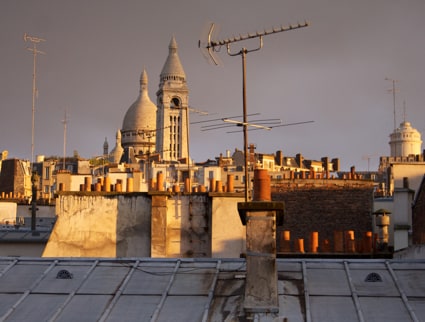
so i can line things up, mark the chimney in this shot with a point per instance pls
(299, 159)
(382, 222)
(335, 164)
(261, 216)
(279, 158)
(406, 182)
(325, 165)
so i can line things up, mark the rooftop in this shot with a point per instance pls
(146, 289)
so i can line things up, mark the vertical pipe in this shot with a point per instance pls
(107, 184)
(130, 187)
(160, 181)
(212, 184)
(218, 186)
(301, 245)
(338, 241)
(87, 183)
(368, 242)
(350, 241)
(187, 185)
(314, 241)
(286, 244)
(230, 183)
(262, 190)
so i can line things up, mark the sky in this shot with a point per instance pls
(332, 72)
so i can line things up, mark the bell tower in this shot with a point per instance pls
(172, 115)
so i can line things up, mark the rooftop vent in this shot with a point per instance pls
(63, 274)
(373, 277)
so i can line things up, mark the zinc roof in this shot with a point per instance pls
(146, 289)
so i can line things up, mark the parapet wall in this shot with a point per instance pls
(100, 226)
(156, 224)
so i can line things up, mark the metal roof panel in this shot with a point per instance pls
(333, 308)
(36, 307)
(104, 280)
(149, 280)
(327, 281)
(84, 308)
(183, 308)
(388, 309)
(134, 308)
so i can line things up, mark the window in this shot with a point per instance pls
(47, 173)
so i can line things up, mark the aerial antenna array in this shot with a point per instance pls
(213, 46)
(393, 90)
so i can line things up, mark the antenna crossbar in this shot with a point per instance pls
(247, 124)
(212, 44)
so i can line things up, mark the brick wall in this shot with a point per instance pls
(12, 177)
(325, 206)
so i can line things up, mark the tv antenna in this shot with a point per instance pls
(34, 41)
(393, 90)
(213, 46)
(35, 51)
(65, 123)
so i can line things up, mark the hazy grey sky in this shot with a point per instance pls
(332, 72)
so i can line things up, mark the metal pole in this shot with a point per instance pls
(34, 89)
(34, 176)
(393, 90)
(34, 179)
(395, 125)
(33, 173)
(245, 121)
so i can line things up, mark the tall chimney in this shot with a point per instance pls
(261, 216)
(299, 159)
(279, 158)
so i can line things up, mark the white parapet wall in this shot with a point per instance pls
(100, 226)
(159, 224)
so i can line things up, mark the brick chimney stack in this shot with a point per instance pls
(261, 216)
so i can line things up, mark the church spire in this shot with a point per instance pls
(173, 69)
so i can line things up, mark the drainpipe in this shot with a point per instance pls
(261, 217)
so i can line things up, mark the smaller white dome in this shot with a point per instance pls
(140, 120)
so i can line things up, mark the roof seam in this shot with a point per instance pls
(354, 293)
(402, 293)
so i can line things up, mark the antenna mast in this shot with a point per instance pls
(35, 51)
(34, 179)
(214, 46)
(393, 90)
(64, 122)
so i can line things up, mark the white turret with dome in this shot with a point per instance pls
(405, 141)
